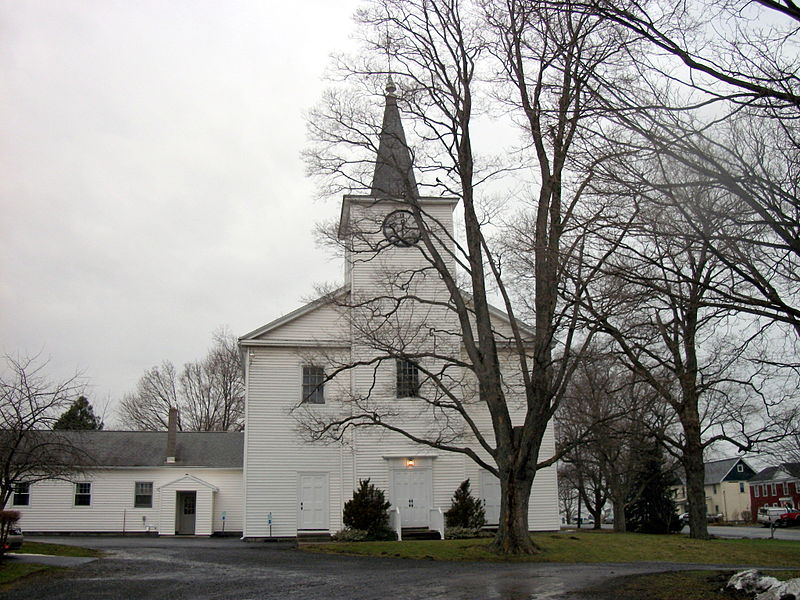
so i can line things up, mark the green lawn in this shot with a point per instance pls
(12, 571)
(56, 549)
(589, 548)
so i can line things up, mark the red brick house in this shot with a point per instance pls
(776, 486)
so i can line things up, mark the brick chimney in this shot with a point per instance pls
(172, 434)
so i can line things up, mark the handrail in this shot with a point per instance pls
(394, 522)
(436, 518)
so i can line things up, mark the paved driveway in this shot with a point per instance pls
(161, 568)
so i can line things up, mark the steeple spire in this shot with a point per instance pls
(393, 176)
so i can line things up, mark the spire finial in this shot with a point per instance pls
(391, 88)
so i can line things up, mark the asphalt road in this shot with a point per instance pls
(159, 568)
(781, 533)
(792, 533)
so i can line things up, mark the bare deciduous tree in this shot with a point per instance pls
(725, 107)
(616, 417)
(438, 53)
(148, 407)
(691, 351)
(30, 402)
(212, 390)
(209, 393)
(733, 50)
(568, 496)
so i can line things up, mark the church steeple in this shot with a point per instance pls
(393, 176)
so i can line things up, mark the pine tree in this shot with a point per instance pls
(465, 510)
(79, 416)
(367, 511)
(651, 508)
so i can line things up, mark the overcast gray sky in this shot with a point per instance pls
(150, 175)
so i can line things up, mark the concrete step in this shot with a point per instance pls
(419, 533)
(313, 537)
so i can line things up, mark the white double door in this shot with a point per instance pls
(312, 507)
(412, 494)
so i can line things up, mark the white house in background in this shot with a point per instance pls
(293, 485)
(727, 489)
(141, 482)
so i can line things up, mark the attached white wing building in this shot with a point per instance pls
(334, 361)
(157, 482)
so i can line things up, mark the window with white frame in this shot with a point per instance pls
(313, 384)
(83, 494)
(741, 487)
(143, 494)
(740, 468)
(407, 379)
(22, 493)
(774, 490)
(756, 491)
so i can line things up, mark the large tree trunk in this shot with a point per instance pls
(512, 533)
(695, 487)
(620, 524)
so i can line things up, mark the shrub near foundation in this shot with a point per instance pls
(367, 511)
(350, 535)
(466, 511)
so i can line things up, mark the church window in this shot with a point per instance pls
(407, 379)
(313, 384)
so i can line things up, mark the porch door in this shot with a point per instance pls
(312, 508)
(412, 493)
(490, 496)
(185, 508)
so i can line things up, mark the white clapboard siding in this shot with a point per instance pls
(277, 452)
(52, 503)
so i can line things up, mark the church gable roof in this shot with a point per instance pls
(304, 325)
(318, 313)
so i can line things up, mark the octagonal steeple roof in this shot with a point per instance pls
(394, 175)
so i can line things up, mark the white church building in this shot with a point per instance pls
(343, 389)
(315, 377)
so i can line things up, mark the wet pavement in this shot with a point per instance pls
(230, 569)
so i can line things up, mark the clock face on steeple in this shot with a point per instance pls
(400, 228)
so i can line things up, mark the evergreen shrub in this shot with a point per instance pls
(367, 511)
(465, 510)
